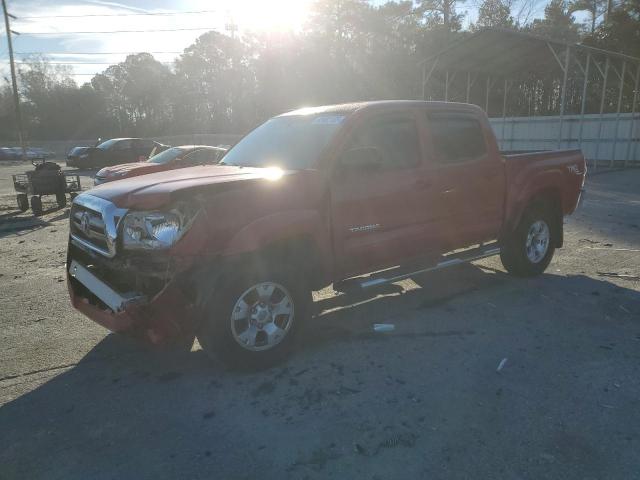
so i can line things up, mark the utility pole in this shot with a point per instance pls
(609, 8)
(16, 97)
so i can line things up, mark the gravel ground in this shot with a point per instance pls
(425, 401)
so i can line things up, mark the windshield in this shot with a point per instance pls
(291, 142)
(166, 156)
(106, 145)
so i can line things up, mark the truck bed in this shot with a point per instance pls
(561, 170)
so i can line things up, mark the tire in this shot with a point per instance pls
(36, 205)
(528, 250)
(23, 202)
(246, 296)
(61, 199)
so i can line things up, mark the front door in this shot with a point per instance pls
(380, 200)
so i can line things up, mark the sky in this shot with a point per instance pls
(125, 16)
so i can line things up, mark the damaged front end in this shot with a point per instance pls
(146, 294)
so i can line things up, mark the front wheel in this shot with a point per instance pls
(251, 321)
(36, 205)
(528, 250)
(23, 202)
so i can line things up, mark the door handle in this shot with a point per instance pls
(449, 191)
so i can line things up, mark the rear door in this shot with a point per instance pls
(142, 148)
(379, 210)
(121, 152)
(470, 178)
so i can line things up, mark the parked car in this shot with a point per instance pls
(113, 152)
(73, 157)
(6, 153)
(32, 153)
(170, 159)
(318, 196)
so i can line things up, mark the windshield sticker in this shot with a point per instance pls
(328, 120)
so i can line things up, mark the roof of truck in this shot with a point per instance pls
(348, 108)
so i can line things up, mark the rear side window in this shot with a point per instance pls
(123, 145)
(456, 138)
(395, 137)
(202, 156)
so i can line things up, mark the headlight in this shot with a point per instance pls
(156, 230)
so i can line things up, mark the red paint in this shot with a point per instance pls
(427, 209)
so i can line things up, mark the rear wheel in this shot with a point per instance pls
(61, 199)
(251, 321)
(528, 250)
(23, 202)
(36, 205)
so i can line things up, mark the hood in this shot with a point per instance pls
(157, 189)
(123, 170)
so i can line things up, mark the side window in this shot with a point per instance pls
(122, 145)
(201, 157)
(192, 158)
(456, 138)
(144, 146)
(395, 137)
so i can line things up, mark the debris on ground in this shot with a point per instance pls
(621, 276)
(359, 449)
(383, 327)
(501, 365)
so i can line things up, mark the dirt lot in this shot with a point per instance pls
(424, 401)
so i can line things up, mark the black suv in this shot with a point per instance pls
(114, 152)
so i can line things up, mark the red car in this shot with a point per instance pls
(170, 159)
(314, 197)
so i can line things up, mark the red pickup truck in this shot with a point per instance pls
(230, 253)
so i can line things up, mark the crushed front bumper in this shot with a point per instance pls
(159, 318)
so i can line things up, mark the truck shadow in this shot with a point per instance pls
(20, 223)
(84, 418)
(349, 317)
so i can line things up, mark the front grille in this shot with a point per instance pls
(94, 223)
(89, 226)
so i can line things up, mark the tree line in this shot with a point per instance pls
(349, 50)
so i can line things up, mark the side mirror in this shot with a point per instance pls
(362, 159)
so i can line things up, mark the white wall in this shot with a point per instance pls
(542, 133)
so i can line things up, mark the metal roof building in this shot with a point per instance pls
(497, 59)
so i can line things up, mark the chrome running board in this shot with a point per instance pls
(394, 275)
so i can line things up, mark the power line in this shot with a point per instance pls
(73, 63)
(118, 31)
(119, 14)
(91, 53)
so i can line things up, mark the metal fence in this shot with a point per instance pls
(609, 140)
